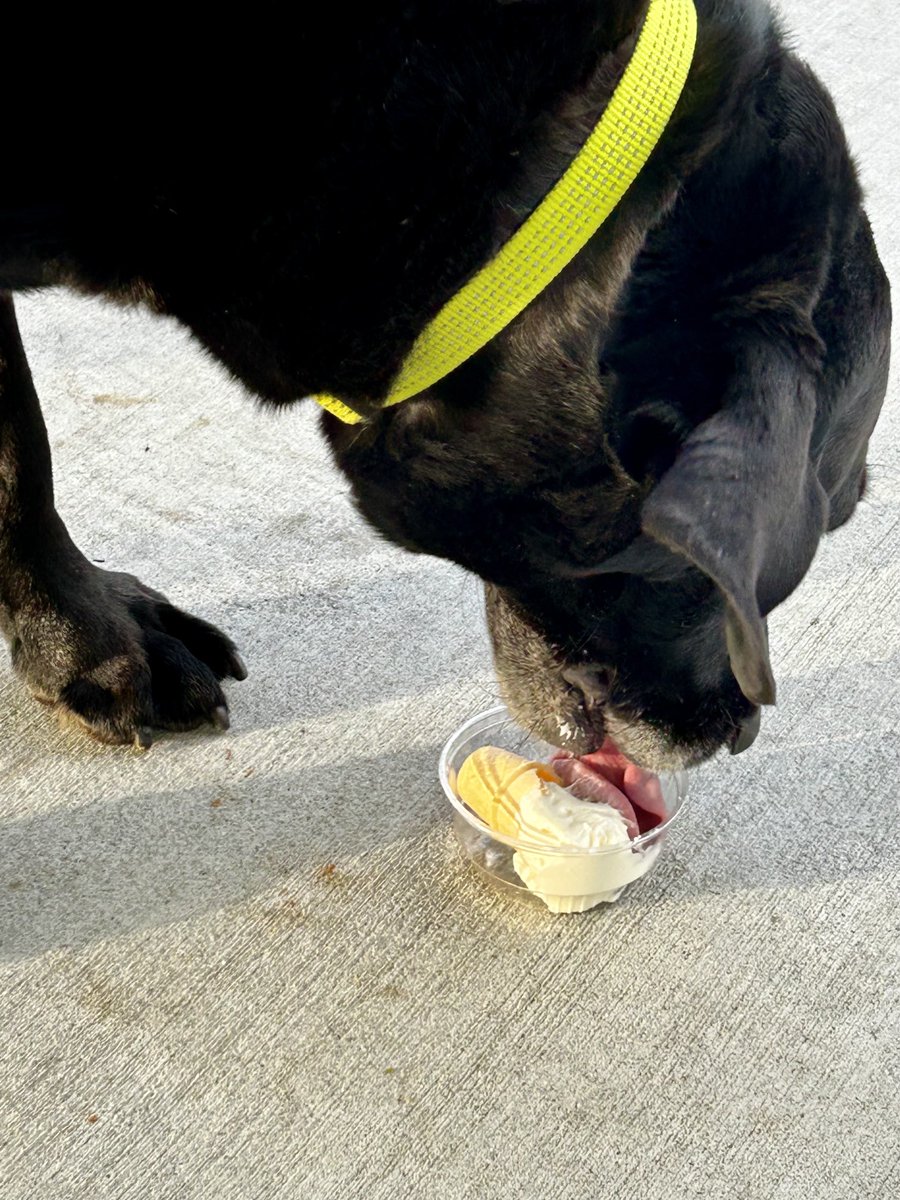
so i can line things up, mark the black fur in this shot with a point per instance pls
(641, 466)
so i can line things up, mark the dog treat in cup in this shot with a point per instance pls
(570, 832)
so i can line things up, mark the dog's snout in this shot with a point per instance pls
(590, 681)
(746, 732)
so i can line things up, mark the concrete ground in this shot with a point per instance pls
(250, 965)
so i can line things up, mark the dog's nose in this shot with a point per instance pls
(590, 680)
(745, 735)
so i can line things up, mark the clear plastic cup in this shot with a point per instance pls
(563, 880)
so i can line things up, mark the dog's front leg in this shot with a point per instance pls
(103, 649)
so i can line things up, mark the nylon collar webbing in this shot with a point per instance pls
(568, 216)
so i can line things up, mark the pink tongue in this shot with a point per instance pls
(586, 784)
(608, 776)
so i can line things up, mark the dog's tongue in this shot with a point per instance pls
(609, 777)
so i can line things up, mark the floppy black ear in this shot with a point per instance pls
(743, 503)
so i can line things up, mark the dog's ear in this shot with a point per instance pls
(743, 503)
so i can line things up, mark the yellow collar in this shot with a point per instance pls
(568, 216)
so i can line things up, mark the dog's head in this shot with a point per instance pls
(630, 552)
(635, 466)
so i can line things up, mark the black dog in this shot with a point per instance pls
(640, 466)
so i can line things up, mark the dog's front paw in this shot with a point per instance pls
(116, 658)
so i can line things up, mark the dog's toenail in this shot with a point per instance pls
(238, 666)
(220, 717)
(143, 739)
